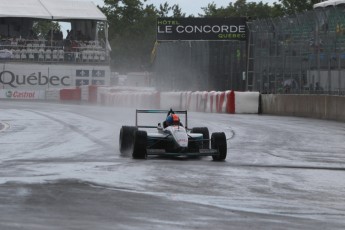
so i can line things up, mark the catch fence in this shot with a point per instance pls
(301, 53)
(200, 65)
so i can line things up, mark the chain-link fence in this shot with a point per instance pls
(200, 65)
(302, 53)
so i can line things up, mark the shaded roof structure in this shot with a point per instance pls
(51, 9)
(328, 3)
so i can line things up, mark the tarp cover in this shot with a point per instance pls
(51, 9)
(328, 3)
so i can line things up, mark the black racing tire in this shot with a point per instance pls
(126, 138)
(140, 145)
(218, 142)
(206, 136)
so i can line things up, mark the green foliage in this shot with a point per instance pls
(132, 24)
(132, 31)
(294, 6)
(42, 27)
(241, 8)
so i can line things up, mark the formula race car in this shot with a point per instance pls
(171, 140)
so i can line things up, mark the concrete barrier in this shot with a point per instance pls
(201, 101)
(170, 100)
(247, 102)
(313, 106)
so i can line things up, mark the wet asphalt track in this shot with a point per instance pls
(60, 168)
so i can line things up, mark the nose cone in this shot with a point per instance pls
(182, 139)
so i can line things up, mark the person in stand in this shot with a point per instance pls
(70, 35)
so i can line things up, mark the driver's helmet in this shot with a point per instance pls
(173, 119)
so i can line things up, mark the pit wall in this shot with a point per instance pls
(313, 106)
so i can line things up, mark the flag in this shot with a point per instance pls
(153, 52)
(81, 82)
(82, 73)
(97, 82)
(98, 73)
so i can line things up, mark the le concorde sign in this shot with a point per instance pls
(216, 29)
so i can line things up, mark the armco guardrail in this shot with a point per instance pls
(313, 106)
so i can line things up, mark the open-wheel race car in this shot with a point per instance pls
(172, 139)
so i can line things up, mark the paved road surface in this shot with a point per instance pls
(60, 168)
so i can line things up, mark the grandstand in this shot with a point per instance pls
(80, 57)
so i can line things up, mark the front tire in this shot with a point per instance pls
(206, 136)
(126, 138)
(140, 145)
(218, 142)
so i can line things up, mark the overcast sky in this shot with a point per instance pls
(188, 6)
(192, 6)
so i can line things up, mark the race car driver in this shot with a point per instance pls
(172, 119)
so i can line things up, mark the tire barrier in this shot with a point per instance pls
(200, 101)
(128, 98)
(231, 102)
(247, 102)
(52, 94)
(171, 100)
(70, 94)
(92, 94)
(230, 108)
(84, 92)
(212, 102)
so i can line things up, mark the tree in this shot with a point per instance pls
(210, 10)
(41, 28)
(294, 6)
(241, 8)
(163, 10)
(177, 11)
(132, 24)
(132, 31)
(125, 32)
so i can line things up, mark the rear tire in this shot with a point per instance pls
(206, 136)
(140, 145)
(218, 142)
(126, 138)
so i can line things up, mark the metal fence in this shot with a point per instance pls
(302, 53)
(200, 65)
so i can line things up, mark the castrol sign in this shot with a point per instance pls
(22, 94)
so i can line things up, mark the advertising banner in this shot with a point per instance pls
(212, 29)
(22, 94)
(40, 77)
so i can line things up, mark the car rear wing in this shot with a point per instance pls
(184, 112)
